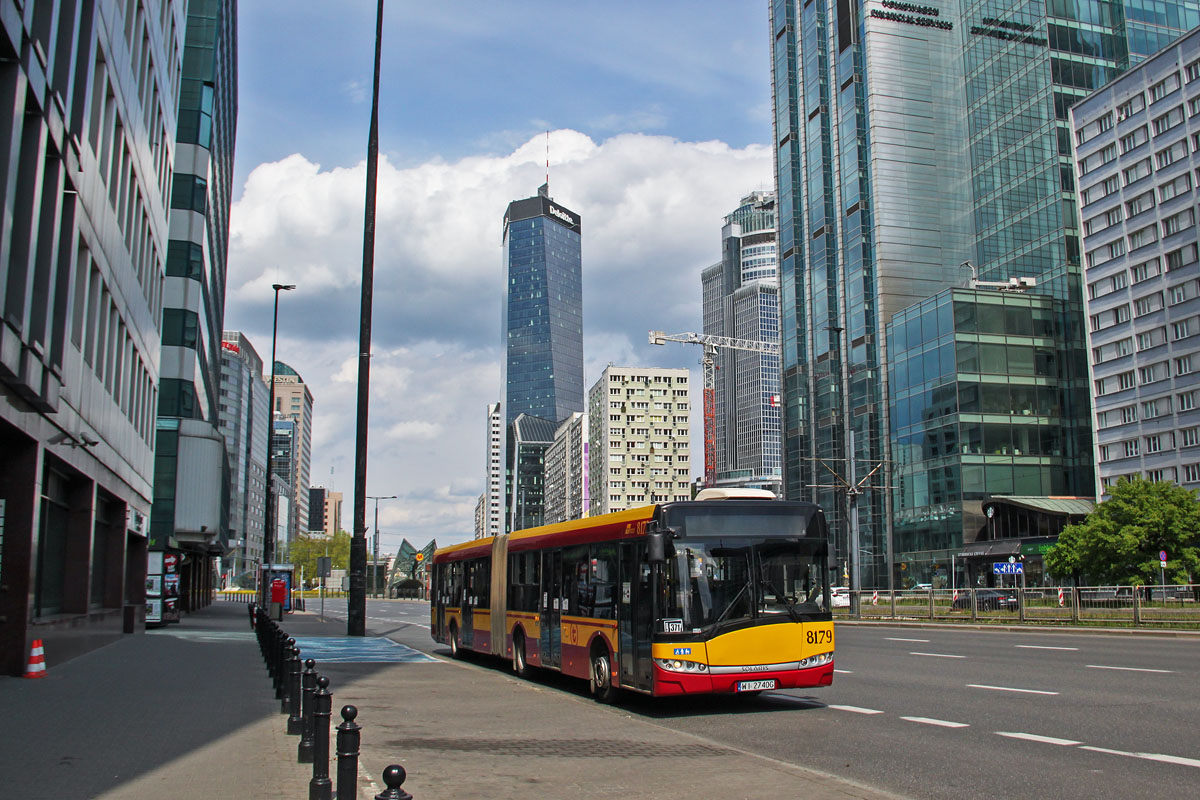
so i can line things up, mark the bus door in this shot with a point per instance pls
(633, 616)
(441, 597)
(550, 642)
(471, 585)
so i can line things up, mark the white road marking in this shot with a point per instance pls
(857, 710)
(1007, 689)
(936, 655)
(1033, 737)
(1044, 647)
(894, 639)
(1131, 669)
(1186, 762)
(941, 722)
(844, 671)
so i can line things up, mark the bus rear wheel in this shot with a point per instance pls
(602, 685)
(520, 665)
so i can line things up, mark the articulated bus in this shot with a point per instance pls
(704, 596)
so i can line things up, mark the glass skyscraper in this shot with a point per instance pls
(542, 317)
(910, 139)
(542, 326)
(741, 300)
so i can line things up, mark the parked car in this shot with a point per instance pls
(987, 600)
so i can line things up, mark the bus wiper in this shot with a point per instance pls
(787, 601)
(732, 603)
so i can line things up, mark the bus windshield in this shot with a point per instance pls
(718, 581)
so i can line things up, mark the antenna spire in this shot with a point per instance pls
(547, 162)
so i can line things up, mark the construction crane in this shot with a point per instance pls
(711, 345)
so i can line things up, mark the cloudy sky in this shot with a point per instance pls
(659, 116)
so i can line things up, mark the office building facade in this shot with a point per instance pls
(541, 321)
(567, 492)
(88, 140)
(912, 139)
(528, 439)
(243, 420)
(294, 402)
(741, 300)
(1136, 159)
(191, 474)
(494, 520)
(324, 510)
(639, 438)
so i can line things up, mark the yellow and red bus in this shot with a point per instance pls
(697, 597)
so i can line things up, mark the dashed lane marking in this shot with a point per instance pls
(1043, 647)
(1186, 762)
(936, 655)
(1033, 737)
(895, 639)
(1132, 669)
(944, 723)
(856, 709)
(1007, 689)
(844, 671)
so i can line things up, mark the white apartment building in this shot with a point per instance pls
(639, 438)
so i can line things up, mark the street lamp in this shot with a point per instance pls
(375, 561)
(268, 516)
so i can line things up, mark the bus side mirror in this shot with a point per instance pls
(656, 547)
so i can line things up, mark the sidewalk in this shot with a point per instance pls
(189, 712)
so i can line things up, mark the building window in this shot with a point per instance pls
(1144, 271)
(1168, 120)
(1143, 237)
(1128, 415)
(1183, 329)
(1125, 380)
(1134, 139)
(1136, 172)
(1179, 293)
(1187, 401)
(1132, 447)
(1174, 188)
(1178, 222)
(1133, 105)
(1143, 202)
(1177, 259)
(1191, 473)
(1189, 437)
(1164, 87)
(1169, 155)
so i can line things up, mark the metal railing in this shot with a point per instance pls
(1172, 606)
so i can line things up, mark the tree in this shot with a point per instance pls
(308, 547)
(1120, 540)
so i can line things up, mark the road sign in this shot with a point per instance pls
(1005, 568)
(324, 566)
(1162, 555)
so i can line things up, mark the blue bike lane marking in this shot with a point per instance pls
(355, 649)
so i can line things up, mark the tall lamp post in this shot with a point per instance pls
(268, 515)
(375, 561)
(356, 604)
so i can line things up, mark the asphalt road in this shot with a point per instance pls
(953, 712)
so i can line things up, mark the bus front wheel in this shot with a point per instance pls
(602, 685)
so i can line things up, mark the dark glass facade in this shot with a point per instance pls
(978, 409)
(911, 138)
(542, 315)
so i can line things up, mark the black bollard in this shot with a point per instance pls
(320, 787)
(285, 674)
(277, 674)
(393, 779)
(308, 681)
(250, 608)
(349, 734)
(295, 723)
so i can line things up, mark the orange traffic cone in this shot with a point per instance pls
(37, 661)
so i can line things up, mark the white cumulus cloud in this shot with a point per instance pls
(651, 208)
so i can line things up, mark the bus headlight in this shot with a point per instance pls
(819, 660)
(678, 665)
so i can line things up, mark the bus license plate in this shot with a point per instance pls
(755, 686)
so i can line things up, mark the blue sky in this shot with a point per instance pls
(660, 121)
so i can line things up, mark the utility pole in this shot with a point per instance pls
(375, 560)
